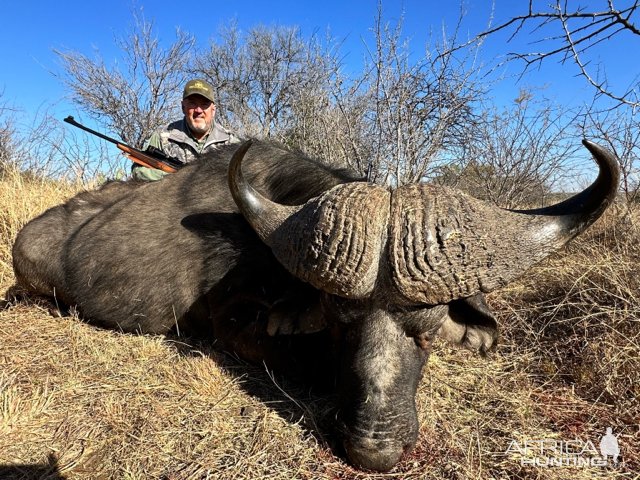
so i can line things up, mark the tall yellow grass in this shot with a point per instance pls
(80, 402)
(23, 198)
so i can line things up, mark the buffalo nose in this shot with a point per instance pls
(371, 456)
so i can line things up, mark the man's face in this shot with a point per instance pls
(199, 112)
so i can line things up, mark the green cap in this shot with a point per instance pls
(198, 87)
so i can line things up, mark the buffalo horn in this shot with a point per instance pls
(446, 245)
(333, 241)
(441, 244)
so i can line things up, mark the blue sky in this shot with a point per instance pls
(31, 30)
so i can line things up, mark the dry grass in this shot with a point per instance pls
(22, 198)
(80, 402)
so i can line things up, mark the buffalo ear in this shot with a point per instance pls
(470, 324)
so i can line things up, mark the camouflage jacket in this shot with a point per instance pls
(175, 140)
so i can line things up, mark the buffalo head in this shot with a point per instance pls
(395, 266)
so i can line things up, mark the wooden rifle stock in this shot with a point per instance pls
(141, 158)
(166, 164)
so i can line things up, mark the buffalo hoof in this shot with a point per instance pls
(16, 295)
(11, 297)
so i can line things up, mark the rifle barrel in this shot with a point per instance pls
(73, 122)
(147, 159)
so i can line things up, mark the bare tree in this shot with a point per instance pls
(401, 117)
(144, 94)
(273, 83)
(516, 155)
(574, 31)
(395, 117)
(418, 108)
(44, 148)
(261, 75)
(8, 142)
(619, 130)
(225, 66)
(333, 123)
(48, 148)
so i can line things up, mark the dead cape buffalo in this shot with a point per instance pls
(286, 260)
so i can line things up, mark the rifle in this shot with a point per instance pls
(151, 158)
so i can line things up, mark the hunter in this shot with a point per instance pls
(190, 137)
